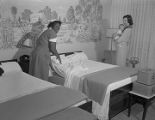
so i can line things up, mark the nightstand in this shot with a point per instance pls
(135, 97)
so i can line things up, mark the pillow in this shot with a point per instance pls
(77, 58)
(81, 55)
(54, 59)
(68, 62)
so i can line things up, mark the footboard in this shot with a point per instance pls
(119, 100)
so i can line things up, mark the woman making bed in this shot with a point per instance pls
(40, 60)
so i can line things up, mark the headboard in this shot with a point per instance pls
(13, 60)
(67, 53)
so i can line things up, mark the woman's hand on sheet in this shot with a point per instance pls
(59, 59)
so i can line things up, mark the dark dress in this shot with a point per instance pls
(40, 57)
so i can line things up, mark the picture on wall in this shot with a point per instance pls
(22, 21)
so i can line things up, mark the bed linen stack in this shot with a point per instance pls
(145, 84)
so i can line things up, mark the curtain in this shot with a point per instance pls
(141, 11)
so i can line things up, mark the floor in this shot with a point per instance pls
(136, 113)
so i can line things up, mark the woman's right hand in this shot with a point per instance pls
(59, 59)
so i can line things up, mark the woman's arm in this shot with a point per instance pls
(52, 48)
(22, 40)
(116, 36)
(20, 43)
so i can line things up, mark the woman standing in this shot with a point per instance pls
(40, 59)
(122, 42)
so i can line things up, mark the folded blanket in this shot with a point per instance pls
(95, 84)
(37, 105)
(74, 113)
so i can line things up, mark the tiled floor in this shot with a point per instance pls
(136, 113)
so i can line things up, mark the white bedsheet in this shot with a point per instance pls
(88, 66)
(75, 76)
(70, 63)
(16, 84)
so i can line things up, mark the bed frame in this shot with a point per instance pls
(118, 98)
(67, 53)
(13, 60)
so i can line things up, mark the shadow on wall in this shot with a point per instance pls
(102, 44)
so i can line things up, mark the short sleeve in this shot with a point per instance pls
(53, 40)
(51, 34)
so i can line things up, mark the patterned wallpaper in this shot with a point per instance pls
(25, 19)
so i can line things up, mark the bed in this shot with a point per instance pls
(79, 68)
(24, 97)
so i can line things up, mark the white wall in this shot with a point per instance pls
(94, 50)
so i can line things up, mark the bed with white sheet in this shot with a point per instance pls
(76, 67)
(24, 97)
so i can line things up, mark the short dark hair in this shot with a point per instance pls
(129, 18)
(52, 24)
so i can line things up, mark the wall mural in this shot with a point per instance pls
(81, 21)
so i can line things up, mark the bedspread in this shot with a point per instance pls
(40, 104)
(102, 109)
(95, 84)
